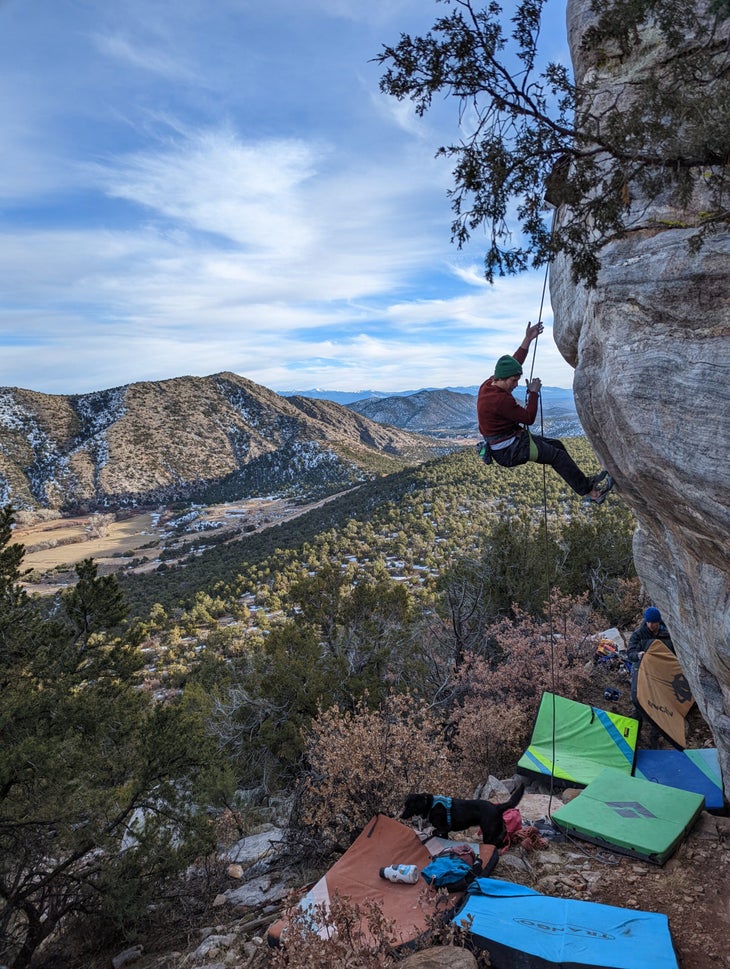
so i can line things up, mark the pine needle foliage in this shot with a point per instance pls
(529, 134)
(100, 789)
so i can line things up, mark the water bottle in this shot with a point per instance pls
(408, 874)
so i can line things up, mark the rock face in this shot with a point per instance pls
(650, 344)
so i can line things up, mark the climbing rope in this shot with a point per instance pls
(604, 857)
(539, 320)
(548, 581)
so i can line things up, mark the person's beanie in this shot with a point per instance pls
(507, 367)
(652, 614)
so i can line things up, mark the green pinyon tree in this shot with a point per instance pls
(100, 788)
(525, 124)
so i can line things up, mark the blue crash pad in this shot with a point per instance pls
(689, 770)
(522, 929)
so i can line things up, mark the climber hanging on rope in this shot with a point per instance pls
(509, 443)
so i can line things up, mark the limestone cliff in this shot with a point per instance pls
(651, 349)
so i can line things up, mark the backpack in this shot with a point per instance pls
(451, 872)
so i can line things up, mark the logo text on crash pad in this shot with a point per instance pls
(574, 930)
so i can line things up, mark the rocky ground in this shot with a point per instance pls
(227, 925)
(692, 889)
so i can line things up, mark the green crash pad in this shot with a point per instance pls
(631, 816)
(575, 742)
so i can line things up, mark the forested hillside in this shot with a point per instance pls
(391, 585)
(158, 711)
(201, 439)
(414, 523)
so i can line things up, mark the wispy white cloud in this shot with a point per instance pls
(145, 57)
(188, 194)
(212, 182)
(401, 115)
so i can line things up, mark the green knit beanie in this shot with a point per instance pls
(507, 367)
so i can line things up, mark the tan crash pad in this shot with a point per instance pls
(663, 692)
(356, 875)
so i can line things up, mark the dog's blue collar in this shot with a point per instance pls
(446, 802)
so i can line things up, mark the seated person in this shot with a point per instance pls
(651, 628)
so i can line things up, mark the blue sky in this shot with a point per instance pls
(196, 186)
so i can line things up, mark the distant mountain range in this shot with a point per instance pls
(346, 397)
(201, 439)
(440, 412)
(224, 437)
(450, 411)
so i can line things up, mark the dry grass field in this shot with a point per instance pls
(133, 541)
(67, 541)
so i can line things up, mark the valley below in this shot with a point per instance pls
(143, 540)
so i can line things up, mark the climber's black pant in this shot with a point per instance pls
(546, 450)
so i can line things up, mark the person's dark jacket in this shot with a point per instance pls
(641, 639)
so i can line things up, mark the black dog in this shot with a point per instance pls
(461, 814)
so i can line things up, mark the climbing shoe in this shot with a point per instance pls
(598, 478)
(604, 490)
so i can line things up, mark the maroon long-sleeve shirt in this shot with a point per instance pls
(499, 413)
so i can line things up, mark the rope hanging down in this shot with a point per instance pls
(548, 581)
(539, 320)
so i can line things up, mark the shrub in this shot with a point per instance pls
(350, 935)
(365, 762)
(499, 693)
